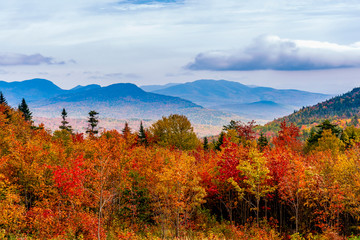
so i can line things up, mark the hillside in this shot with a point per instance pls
(257, 110)
(344, 106)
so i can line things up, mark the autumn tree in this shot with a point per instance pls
(176, 131)
(256, 179)
(312, 141)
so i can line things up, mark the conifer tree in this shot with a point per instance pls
(220, 141)
(262, 142)
(93, 122)
(2, 99)
(64, 123)
(206, 144)
(23, 107)
(142, 135)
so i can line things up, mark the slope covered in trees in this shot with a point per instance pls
(345, 106)
(112, 185)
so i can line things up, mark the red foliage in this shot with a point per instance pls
(70, 179)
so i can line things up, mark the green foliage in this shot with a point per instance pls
(142, 138)
(315, 135)
(205, 144)
(23, 107)
(176, 131)
(219, 142)
(2, 99)
(64, 123)
(93, 122)
(262, 142)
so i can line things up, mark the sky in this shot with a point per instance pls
(308, 45)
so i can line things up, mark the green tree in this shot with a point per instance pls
(142, 139)
(65, 124)
(220, 141)
(262, 142)
(93, 122)
(312, 141)
(23, 107)
(175, 130)
(2, 99)
(206, 144)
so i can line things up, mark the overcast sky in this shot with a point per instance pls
(310, 45)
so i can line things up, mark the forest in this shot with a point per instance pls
(164, 182)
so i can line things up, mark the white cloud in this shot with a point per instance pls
(10, 59)
(272, 52)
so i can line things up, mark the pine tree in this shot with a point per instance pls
(206, 144)
(2, 99)
(23, 107)
(93, 122)
(220, 141)
(142, 135)
(262, 142)
(64, 123)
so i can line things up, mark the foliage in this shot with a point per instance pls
(176, 131)
(70, 186)
(93, 122)
(23, 107)
(65, 124)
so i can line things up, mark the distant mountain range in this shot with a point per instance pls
(117, 101)
(249, 101)
(344, 106)
(208, 102)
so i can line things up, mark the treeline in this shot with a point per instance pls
(345, 106)
(163, 182)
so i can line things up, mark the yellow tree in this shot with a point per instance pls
(176, 191)
(257, 177)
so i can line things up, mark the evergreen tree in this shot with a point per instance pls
(64, 123)
(220, 141)
(142, 135)
(23, 107)
(206, 144)
(2, 99)
(93, 122)
(326, 125)
(262, 142)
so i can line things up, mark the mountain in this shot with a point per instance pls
(124, 101)
(151, 88)
(80, 88)
(344, 106)
(231, 96)
(257, 110)
(32, 90)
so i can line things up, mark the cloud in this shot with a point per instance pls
(272, 52)
(13, 59)
(98, 75)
